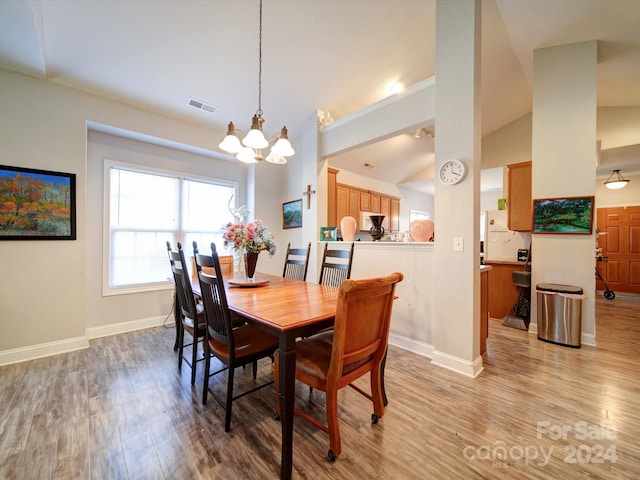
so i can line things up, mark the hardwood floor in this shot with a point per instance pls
(121, 410)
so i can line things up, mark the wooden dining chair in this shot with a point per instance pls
(296, 262)
(192, 318)
(233, 347)
(336, 265)
(333, 359)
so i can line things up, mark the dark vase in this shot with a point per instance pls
(250, 262)
(377, 230)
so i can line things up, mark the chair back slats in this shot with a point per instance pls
(186, 300)
(214, 299)
(336, 265)
(363, 317)
(296, 262)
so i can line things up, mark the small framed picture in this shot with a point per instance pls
(292, 214)
(328, 234)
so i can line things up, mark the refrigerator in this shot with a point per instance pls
(500, 243)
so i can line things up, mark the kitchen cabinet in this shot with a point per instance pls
(365, 201)
(354, 204)
(519, 197)
(343, 200)
(375, 203)
(503, 294)
(484, 308)
(342, 205)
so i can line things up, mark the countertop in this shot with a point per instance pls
(505, 262)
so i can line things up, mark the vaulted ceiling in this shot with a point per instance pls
(336, 56)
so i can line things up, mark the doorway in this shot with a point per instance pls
(618, 231)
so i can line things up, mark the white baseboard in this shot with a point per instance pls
(456, 364)
(124, 327)
(32, 352)
(411, 345)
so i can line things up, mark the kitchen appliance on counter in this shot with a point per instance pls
(500, 243)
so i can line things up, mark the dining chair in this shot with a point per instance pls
(233, 347)
(296, 262)
(226, 264)
(336, 265)
(333, 359)
(191, 313)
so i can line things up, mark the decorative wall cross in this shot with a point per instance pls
(308, 193)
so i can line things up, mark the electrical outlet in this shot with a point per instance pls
(458, 244)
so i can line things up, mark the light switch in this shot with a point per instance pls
(458, 244)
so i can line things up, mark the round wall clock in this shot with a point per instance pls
(451, 172)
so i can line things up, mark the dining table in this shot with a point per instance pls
(288, 309)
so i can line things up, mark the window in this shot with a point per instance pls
(148, 208)
(418, 215)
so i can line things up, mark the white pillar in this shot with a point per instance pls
(457, 207)
(564, 165)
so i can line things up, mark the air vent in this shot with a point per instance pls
(211, 109)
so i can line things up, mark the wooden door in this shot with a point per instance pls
(354, 203)
(619, 239)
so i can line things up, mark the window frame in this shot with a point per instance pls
(107, 288)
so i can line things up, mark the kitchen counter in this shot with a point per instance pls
(504, 262)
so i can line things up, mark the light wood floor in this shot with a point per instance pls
(120, 410)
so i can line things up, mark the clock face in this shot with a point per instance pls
(451, 172)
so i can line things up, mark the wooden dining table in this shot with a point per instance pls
(288, 309)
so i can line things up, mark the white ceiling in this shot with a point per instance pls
(333, 55)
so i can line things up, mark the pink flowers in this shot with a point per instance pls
(252, 238)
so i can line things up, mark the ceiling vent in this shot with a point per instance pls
(211, 109)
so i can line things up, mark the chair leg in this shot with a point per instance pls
(227, 416)
(255, 369)
(377, 393)
(207, 367)
(332, 423)
(194, 356)
(181, 345)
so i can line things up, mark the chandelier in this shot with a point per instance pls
(615, 182)
(250, 149)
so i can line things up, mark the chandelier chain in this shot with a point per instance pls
(259, 112)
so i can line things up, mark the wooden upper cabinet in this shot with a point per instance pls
(385, 209)
(348, 200)
(519, 197)
(342, 203)
(375, 203)
(354, 203)
(394, 215)
(365, 201)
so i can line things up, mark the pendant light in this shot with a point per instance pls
(250, 149)
(614, 183)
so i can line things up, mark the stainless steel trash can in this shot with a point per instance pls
(559, 314)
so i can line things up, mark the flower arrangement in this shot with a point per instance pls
(252, 238)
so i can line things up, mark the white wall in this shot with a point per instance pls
(46, 301)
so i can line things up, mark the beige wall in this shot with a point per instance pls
(47, 297)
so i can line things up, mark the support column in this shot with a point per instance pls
(564, 165)
(457, 207)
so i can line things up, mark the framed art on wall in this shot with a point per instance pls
(563, 215)
(37, 204)
(328, 234)
(292, 214)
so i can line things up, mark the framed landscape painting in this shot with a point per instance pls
(37, 204)
(563, 215)
(292, 214)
